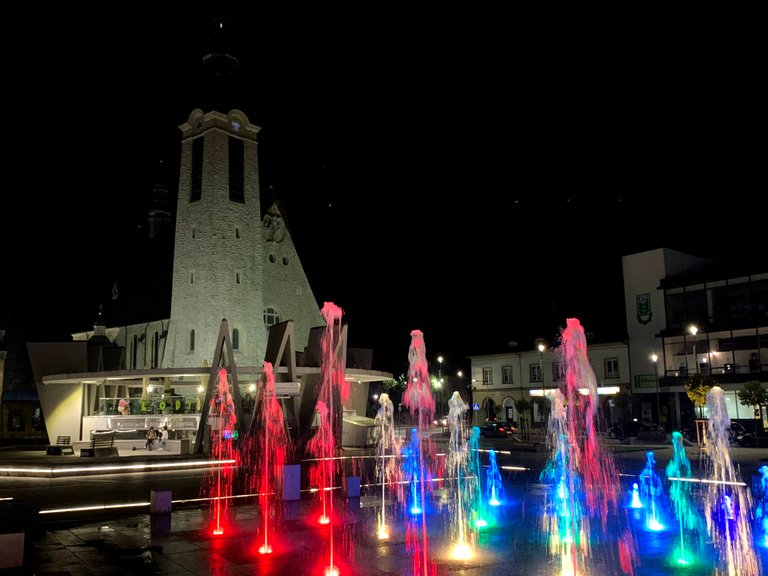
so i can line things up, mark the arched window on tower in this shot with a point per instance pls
(192, 340)
(235, 339)
(271, 317)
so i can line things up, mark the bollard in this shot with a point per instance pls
(353, 487)
(291, 482)
(12, 545)
(160, 502)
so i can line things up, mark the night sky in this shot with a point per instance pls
(473, 178)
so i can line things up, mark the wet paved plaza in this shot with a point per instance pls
(180, 542)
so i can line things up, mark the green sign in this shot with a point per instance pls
(645, 381)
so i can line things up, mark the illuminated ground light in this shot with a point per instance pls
(94, 507)
(68, 471)
(462, 551)
(480, 523)
(383, 533)
(218, 531)
(682, 559)
(494, 502)
(331, 571)
(654, 525)
(265, 549)
(415, 510)
(323, 519)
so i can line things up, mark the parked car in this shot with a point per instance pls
(511, 425)
(616, 432)
(495, 430)
(440, 421)
(633, 428)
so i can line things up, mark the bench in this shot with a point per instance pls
(61, 447)
(102, 444)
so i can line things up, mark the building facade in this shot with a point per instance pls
(498, 380)
(684, 315)
(688, 315)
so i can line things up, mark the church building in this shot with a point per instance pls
(233, 267)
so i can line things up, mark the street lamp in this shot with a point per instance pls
(654, 359)
(439, 386)
(541, 345)
(693, 329)
(440, 379)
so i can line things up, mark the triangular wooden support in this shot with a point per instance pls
(220, 360)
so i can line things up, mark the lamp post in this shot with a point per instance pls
(440, 379)
(460, 374)
(693, 329)
(542, 346)
(654, 359)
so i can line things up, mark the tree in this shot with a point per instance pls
(543, 406)
(395, 387)
(522, 405)
(697, 387)
(754, 395)
(623, 401)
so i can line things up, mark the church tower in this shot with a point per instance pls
(227, 264)
(217, 263)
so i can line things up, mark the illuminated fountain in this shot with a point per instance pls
(494, 484)
(652, 497)
(411, 464)
(268, 445)
(419, 400)
(478, 509)
(217, 485)
(581, 470)
(761, 509)
(465, 488)
(562, 512)
(387, 448)
(634, 497)
(334, 391)
(728, 503)
(680, 485)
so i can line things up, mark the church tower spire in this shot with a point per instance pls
(220, 80)
(160, 209)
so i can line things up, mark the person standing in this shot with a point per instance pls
(150, 436)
